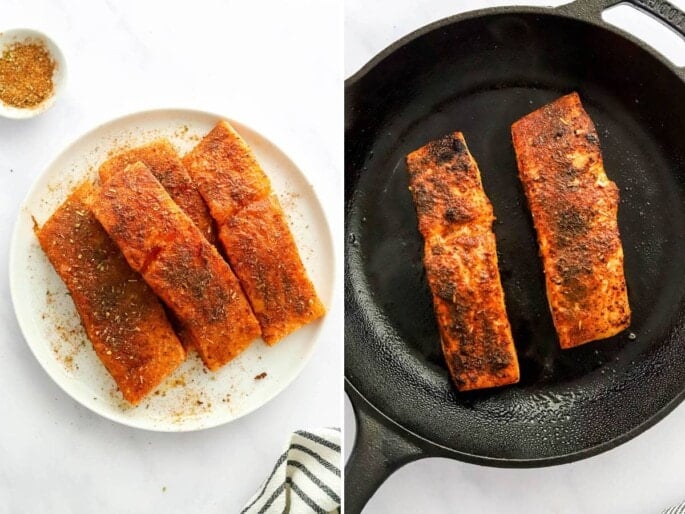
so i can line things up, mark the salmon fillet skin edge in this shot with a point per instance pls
(455, 218)
(574, 207)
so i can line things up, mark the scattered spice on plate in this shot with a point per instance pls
(260, 376)
(26, 70)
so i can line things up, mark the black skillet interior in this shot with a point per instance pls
(479, 74)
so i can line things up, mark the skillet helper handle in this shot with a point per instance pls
(588, 10)
(662, 10)
(378, 451)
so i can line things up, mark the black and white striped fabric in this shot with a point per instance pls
(677, 509)
(305, 478)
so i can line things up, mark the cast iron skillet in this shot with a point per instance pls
(478, 72)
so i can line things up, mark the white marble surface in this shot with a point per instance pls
(240, 59)
(645, 475)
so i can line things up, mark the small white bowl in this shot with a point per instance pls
(9, 37)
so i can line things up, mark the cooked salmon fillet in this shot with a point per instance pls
(455, 218)
(162, 243)
(254, 233)
(121, 315)
(574, 207)
(164, 163)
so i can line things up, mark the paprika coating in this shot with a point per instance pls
(121, 315)
(575, 212)
(455, 218)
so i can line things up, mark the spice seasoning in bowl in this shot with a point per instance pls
(31, 72)
(26, 74)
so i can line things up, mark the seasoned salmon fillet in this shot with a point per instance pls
(574, 207)
(254, 233)
(164, 163)
(122, 317)
(162, 243)
(455, 219)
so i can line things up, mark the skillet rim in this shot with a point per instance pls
(562, 11)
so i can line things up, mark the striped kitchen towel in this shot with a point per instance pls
(305, 478)
(677, 509)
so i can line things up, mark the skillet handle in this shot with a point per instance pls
(662, 10)
(379, 450)
(588, 10)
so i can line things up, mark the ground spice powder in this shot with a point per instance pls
(26, 70)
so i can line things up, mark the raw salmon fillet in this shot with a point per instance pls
(574, 207)
(455, 219)
(164, 163)
(121, 315)
(254, 233)
(162, 243)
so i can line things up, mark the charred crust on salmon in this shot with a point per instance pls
(455, 219)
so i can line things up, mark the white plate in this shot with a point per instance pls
(192, 397)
